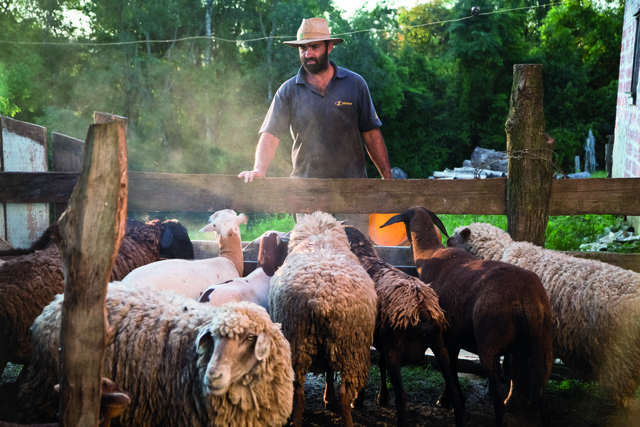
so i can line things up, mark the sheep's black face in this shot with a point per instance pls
(460, 239)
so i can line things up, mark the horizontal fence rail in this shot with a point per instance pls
(152, 191)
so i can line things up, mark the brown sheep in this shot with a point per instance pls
(493, 309)
(30, 278)
(409, 321)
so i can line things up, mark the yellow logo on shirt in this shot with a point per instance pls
(340, 103)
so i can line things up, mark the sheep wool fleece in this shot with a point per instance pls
(326, 303)
(155, 360)
(595, 307)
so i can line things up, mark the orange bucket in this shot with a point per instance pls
(391, 235)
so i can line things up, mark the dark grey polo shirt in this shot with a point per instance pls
(325, 129)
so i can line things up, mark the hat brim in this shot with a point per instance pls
(296, 43)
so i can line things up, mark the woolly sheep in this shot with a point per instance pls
(192, 277)
(492, 308)
(409, 321)
(595, 307)
(255, 286)
(183, 363)
(326, 303)
(30, 278)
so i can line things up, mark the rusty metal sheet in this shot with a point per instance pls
(24, 149)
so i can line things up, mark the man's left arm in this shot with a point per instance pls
(377, 150)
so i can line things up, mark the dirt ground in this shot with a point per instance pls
(578, 406)
(567, 408)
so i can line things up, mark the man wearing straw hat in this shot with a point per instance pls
(329, 113)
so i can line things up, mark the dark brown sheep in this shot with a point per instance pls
(493, 309)
(409, 321)
(30, 278)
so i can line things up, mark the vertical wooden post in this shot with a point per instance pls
(530, 157)
(92, 229)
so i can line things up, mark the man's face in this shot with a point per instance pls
(314, 57)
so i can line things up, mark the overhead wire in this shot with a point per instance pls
(242, 41)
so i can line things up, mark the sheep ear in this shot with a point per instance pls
(204, 338)
(242, 219)
(263, 346)
(465, 234)
(167, 238)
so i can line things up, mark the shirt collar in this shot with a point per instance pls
(339, 73)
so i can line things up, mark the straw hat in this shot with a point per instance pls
(313, 30)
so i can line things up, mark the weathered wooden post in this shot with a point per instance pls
(92, 229)
(530, 157)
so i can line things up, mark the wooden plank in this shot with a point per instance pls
(602, 196)
(67, 154)
(159, 191)
(151, 191)
(31, 187)
(626, 261)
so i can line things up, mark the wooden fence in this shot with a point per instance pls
(152, 191)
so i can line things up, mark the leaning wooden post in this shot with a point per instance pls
(530, 153)
(92, 229)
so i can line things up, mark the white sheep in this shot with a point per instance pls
(326, 303)
(255, 286)
(192, 277)
(595, 307)
(183, 363)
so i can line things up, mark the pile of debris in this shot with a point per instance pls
(484, 163)
(487, 163)
(621, 237)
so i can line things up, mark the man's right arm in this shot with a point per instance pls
(265, 152)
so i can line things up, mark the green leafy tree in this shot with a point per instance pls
(580, 50)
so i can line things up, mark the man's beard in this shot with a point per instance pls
(321, 64)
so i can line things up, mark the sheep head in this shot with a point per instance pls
(232, 346)
(480, 239)
(224, 220)
(421, 226)
(272, 252)
(175, 242)
(360, 245)
(317, 229)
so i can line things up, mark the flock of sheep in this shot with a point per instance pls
(199, 342)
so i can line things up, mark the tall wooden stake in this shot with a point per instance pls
(530, 153)
(92, 229)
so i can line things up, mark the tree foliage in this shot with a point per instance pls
(195, 78)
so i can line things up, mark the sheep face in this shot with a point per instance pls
(224, 221)
(231, 359)
(460, 239)
(231, 347)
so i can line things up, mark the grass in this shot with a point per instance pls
(564, 233)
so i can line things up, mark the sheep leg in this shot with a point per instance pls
(298, 401)
(446, 398)
(383, 393)
(330, 400)
(491, 365)
(451, 380)
(394, 366)
(345, 405)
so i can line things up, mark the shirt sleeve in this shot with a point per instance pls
(368, 117)
(277, 119)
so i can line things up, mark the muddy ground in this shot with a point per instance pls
(571, 404)
(579, 405)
